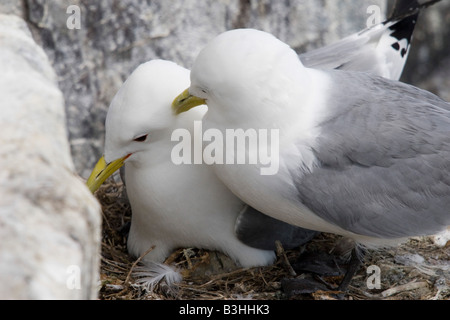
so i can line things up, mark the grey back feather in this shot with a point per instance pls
(384, 155)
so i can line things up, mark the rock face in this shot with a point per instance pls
(49, 221)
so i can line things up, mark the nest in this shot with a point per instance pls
(416, 270)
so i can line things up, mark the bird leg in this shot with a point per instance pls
(282, 255)
(354, 264)
(322, 264)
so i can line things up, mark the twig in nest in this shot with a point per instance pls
(282, 255)
(127, 279)
(405, 287)
(187, 254)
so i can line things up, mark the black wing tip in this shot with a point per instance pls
(404, 28)
(407, 8)
(404, 16)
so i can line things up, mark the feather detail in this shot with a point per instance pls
(151, 274)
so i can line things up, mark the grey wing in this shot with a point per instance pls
(380, 50)
(384, 160)
(356, 52)
(261, 231)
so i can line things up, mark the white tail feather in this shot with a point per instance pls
(151, 274)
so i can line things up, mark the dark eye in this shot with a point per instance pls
(141, 138)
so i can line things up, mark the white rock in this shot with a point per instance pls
(49, 221)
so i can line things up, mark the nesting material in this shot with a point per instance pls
(211, 276)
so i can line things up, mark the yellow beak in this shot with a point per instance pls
(185, 101)
(102, 171)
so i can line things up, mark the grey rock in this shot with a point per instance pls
(49, 221)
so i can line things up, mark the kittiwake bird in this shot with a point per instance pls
(358, 155)
(140, 109)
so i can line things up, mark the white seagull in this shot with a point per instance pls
(172, 205)
(138, 131)
(359, 155)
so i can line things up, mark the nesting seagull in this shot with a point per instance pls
(138, 131)
(358, 155)
(172, 205)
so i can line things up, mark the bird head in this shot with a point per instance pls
(139, 117)
(234, 70)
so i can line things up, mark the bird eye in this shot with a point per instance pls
(141, 138)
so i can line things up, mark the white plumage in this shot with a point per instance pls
(180, 206)
(360, 156)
